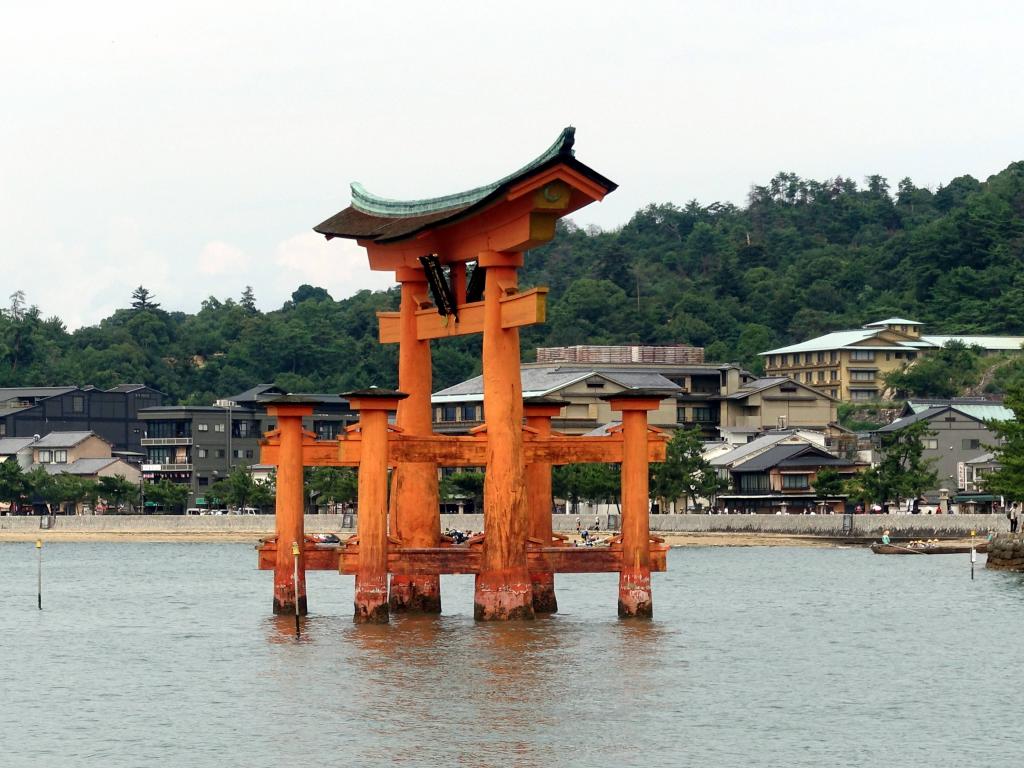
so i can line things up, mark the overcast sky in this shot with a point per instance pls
(190, 147)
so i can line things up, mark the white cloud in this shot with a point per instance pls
(219, 258)
(338, 265)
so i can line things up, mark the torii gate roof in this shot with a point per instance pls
(383, 220)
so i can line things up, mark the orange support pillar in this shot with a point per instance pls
(415, 518)
(503, 588)
(539, 412)
(288, 510)
(371, 599)
(635, 577)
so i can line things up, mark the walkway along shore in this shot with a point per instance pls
(678, 530)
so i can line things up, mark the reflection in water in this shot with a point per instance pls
(749, 661)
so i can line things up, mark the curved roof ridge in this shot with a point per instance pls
(367, 202)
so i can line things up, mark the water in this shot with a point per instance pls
(164, 654)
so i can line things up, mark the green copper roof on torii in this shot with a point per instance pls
(367, 202)
(383, 220)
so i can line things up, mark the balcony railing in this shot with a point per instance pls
(166, 467)
(167, 441)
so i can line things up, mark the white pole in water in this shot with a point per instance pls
(295, 583)
(39, 573)
(974, 554)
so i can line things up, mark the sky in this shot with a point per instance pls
(190, 147)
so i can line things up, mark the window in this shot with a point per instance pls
(821, 357)
(327, 430)
(77, 404)
(218, 427)
(888, 355)
(862, 375)
(702, 415)
(245, 428)
(44, 456)
(897, 355)
(449, 413)
(911, 355)
(862, 354)
(862, 394)
(204, 481)
(469, 413)
(795, 482)
(834, 392)
(807, 358)
(833, 375)
(930, 444)
(202, 453)
(202, 427)
(808, 377)
(220, 453)
(969, 444)
(833, 356)
(821, 377)
(751, 481)
(3, 429)
(60, 457)
(680, 414)
(168, 429)
(775, 361)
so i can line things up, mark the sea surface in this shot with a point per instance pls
(166, 655)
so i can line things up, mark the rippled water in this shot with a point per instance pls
(164, 654)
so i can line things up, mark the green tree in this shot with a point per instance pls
(67, 489)
(171, 496)
(1008, 479)
(685, 473)
(332, 485)
(143, 299)
(116, 490)
(944, 372)
(902, 472)
(248, 301)
(13, 483)
(828, 484)
(594, 483)
(463, 486)
(239, 488)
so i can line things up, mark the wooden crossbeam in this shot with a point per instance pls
(465, 450)
(517, 309)
(411, 561)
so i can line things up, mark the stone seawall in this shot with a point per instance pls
(1006, 552)
(829, 526)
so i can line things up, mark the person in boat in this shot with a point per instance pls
(885, 537)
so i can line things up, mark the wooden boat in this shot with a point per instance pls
(935, 548)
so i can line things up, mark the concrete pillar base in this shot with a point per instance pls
(544, 600)
(503, 596)
(371, 601)
(285, 605)
(635, 600)
(415, 594)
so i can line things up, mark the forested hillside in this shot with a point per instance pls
(800, 259)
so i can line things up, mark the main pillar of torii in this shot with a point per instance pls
(491, 226)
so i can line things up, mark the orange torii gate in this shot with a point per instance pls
(516, 557)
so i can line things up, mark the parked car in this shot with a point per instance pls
(193, 511)
(248, 511)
